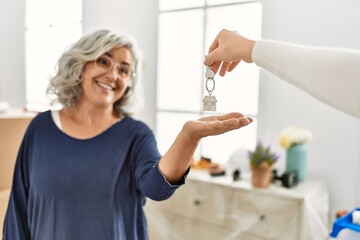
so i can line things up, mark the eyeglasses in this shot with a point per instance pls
(105, 63)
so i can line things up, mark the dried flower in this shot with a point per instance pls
(262, 154)
(294, 135)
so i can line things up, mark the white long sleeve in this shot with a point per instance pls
(330, 74)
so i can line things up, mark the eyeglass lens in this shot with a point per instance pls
(106, 64)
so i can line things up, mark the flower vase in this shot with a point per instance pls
(261, 175)
(296, 160)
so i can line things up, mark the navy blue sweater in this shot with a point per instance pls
(94, 189)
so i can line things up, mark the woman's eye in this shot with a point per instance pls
(123, 71)
(103, 61)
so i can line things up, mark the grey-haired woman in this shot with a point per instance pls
(84, 172)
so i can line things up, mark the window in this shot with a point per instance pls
(186, 30)
(51, 25)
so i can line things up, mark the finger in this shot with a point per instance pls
(230, 118)
(224, 67)
(236, 122)
(233, 65)
(221, 117)
(230, 115)
(220, 127)
(210, 63)
(245, 121)
(209, 60)
(208, 118)
(212, 56)
(216, 127)
(215, 67)
(232, 124)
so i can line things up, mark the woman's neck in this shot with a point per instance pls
(83, 122)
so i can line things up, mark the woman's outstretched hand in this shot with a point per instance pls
(178, 158)
(215, 125)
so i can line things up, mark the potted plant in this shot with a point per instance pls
(261, 161)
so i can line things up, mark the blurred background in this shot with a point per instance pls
(173, 37)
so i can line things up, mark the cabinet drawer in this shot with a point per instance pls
(204, 202)
(159, 226)
(265, 216)
(192, 230)
(156, 206)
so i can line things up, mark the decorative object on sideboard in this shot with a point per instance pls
(294, 140)
(236, 176)
(201, 163)
(238, 163)
(214, 169)
(261, 162)
(287, 179)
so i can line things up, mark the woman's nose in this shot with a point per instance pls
(113, 71)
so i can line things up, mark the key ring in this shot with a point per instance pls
(206, 85)
(209, 74)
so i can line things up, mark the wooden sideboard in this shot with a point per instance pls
(13, 124)
(218, 208)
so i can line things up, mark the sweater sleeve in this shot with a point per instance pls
(330, 74)
(149, 180)
(16, 219)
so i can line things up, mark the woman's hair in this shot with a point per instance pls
(65, 85)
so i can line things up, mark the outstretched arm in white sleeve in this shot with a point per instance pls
(330, 74)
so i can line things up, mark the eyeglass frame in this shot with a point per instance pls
(113, 65)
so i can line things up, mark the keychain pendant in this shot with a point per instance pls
(209, 103)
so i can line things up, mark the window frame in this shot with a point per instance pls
(199, 112)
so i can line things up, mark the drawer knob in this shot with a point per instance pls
(197, 202)
(262, 217)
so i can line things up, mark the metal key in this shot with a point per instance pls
(209, 102)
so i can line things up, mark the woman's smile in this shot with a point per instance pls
(105, 86)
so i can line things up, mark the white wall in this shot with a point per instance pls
(334, 153)
(12, 62)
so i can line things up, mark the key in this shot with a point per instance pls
(209, 102)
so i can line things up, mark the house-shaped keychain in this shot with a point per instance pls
(209, 103)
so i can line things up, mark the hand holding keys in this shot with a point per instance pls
(209, 102)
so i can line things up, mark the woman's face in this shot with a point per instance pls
(105, 80)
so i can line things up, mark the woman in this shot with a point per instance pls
(84, 172)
